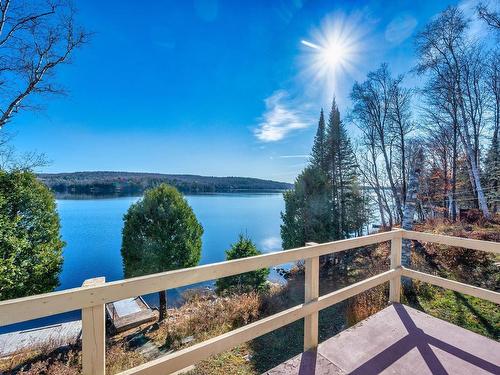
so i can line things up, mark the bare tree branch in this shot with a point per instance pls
(34, 40)
(490, 17)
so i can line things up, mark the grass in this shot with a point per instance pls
(468, 312)
(237, 361)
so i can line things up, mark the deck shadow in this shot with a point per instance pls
(417, 338)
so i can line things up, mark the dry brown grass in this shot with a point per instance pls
(373, 300)
(64, 361)
(204, 316)
(119, 358)
(236, 361)
(465, 265)
(52, 357)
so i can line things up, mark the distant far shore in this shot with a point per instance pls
(90, 185)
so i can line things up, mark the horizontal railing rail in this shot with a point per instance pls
(95, 293)
(456, 286)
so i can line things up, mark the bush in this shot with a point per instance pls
(246, 282)
(30, 241)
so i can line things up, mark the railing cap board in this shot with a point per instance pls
(468, 243)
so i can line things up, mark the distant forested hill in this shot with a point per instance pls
(132, 183)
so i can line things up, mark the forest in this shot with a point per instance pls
(96, 184)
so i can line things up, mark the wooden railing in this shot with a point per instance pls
(95, 293)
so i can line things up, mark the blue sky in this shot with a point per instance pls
(211, 87)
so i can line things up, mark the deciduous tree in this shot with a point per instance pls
(36, 37)
(449, 58)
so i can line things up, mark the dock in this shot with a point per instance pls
(48, 337)
(129, 313)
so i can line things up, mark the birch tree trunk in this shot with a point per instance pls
(410, 206)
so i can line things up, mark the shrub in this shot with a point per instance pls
(30, 241)
(246, 282)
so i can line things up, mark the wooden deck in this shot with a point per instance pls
(399, 340)
(129, 313)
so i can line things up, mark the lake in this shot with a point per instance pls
(92, 229)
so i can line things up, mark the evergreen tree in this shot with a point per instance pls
(345, 194)
(319, 149)
(160, 233)
(326, 203)
(333, 142)
(245, 282)
(30, 239)
(306, 216)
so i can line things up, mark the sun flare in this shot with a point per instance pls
(333, 51)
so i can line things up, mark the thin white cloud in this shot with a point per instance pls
(279, 119)
(294, 156)
(400, 28)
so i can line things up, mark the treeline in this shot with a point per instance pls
(422, 153)
(130, 183)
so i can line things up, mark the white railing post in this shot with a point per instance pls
(94, 335)
(311, 293)
(395, 283)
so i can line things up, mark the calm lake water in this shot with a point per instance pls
(92, 232)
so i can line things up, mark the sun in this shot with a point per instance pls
(333, 51)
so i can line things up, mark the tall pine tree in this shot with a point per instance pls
(306, 215)
(343, 177)
(326, 203)
(319, 149)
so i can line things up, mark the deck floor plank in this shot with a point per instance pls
(399, 340)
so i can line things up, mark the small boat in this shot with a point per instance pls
(129, 313)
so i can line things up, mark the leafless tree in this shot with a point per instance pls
(492, 161)
(417, 161)
(381, 110)
(401, 127)
(12, 160)
(35, 38)
(367, 159)
(491, 17)
(440, 120)
(447, 56)
(440, 155)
